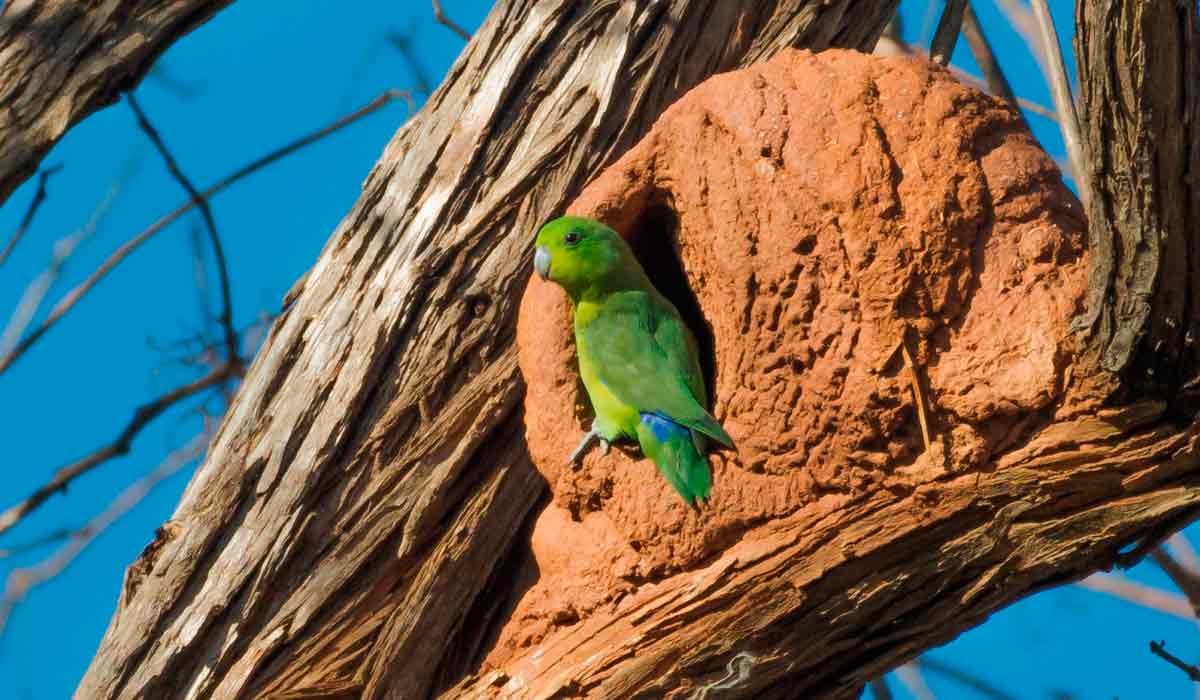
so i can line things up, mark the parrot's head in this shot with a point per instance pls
(579, 253)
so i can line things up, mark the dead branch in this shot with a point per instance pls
(981, 49)
(35, 293)
(1139, 594)
(21, 581)
(210, 223)
(1187, 581)
(946, 35)
(913, 680)
(1064, 104)
(34, 205)
(73, 297)
(119, 446)
(447, 22)
(1159, 650)
(963, 678)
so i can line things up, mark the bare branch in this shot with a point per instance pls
(981, 49)
(1187, 581)
(34, 205)
(961, 677)
(72, 298)
(119, 446)
(910, 676)
(37, 543)
(21, 581)
(210, 223)
(947, 32)
(1139, 594)
(1159, 650)
(1182, 550)
(1020, 17)
(880, 689)
(1064, 104)
(447, 22)
(34, 294)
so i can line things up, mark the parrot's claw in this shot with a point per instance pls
(584, 444)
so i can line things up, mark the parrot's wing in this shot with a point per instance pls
(646, 365)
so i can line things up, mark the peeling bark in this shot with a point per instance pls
(61, 60)
(348, 533)
(1139, 68)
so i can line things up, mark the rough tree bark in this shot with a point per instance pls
(61, 60)
(349, 533)
(357, 505)
(1139, 65)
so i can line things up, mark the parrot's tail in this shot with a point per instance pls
(677, 455)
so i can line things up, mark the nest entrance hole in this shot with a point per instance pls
(654, 239)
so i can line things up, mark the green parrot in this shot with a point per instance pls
(637, 359)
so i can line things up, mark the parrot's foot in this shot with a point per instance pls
(580, 451)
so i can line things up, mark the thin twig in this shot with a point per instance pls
(201, 202)
(1182, 549)
(1064, 104)
(34, 205)
(880, 689)
(446, 21)
(918, 395)
(947, 32)
(981, 49)
(1159, 650)
(34, 294)
(21, 581)
(1187, 581)
(36, 543)
(975, 683)
(72, 298)
(119, 446)
(1139, 594)
(1021, 19)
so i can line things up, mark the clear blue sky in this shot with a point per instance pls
(257, 76)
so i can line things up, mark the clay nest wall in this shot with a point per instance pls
(837, 229)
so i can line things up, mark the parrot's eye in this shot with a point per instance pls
(572, 237)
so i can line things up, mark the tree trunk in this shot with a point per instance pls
(348, 534)
(1139, 65)
(61, 60)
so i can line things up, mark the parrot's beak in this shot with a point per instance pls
(541, 262)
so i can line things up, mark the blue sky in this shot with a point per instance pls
(257, 76)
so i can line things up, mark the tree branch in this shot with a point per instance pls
(200, 201)
(38, 198)
(1187, 581)
(21, 581)
(447, 22)
(1064, 104)
(35, 293)
(1159, 650)
(118, 447)
(1139, 594)
(65, 59)
(981, 49)
(73, 297)
(1139, 66)
(946, 35)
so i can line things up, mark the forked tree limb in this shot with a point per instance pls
(63, 60)
(370, 478)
